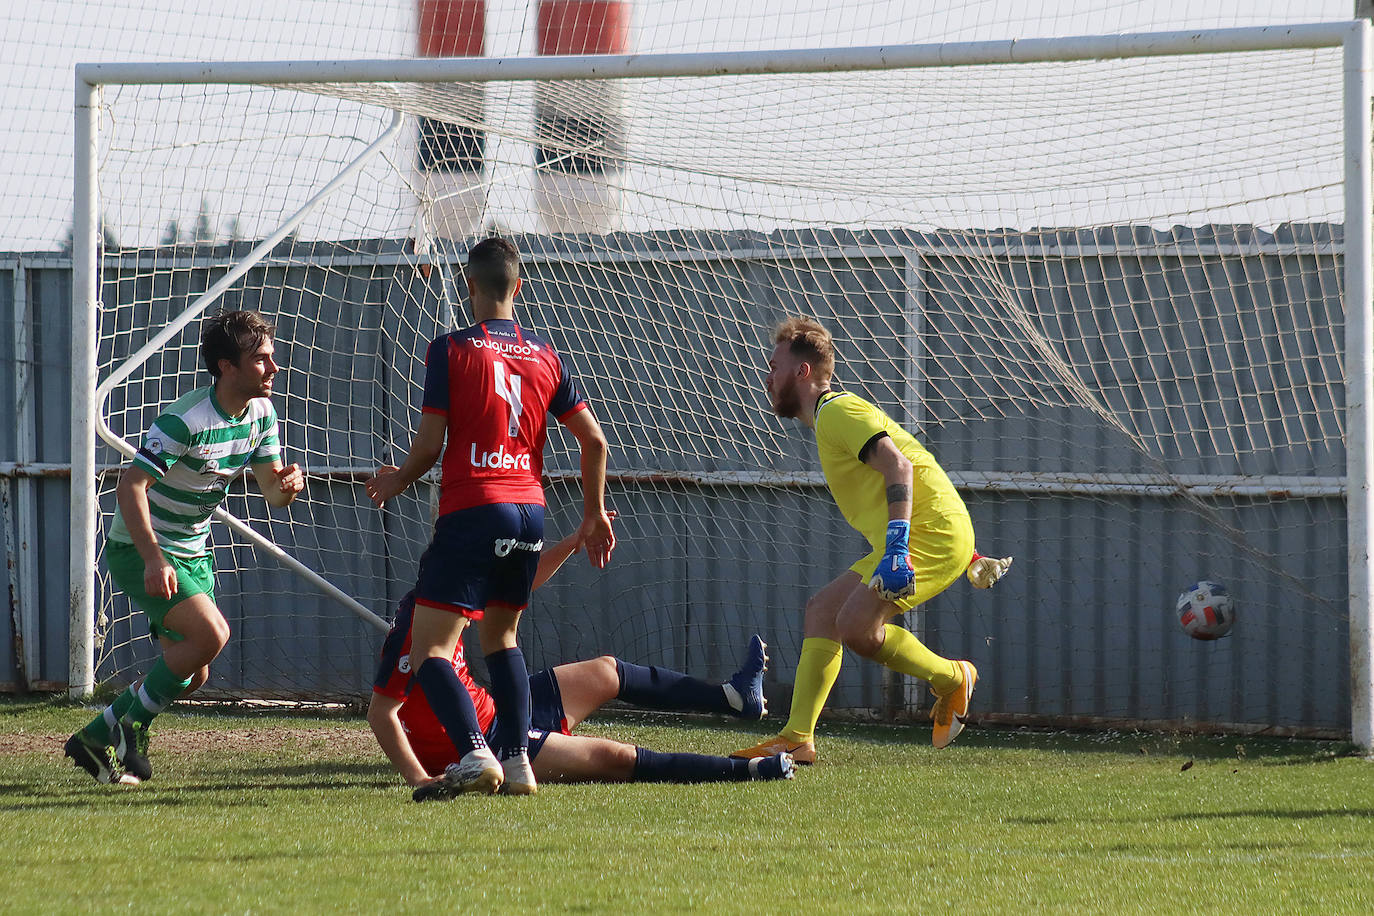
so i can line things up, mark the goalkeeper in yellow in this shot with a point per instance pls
(891, 490)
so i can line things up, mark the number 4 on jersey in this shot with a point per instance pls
(510, 392)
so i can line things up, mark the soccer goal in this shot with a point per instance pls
(1120, 285)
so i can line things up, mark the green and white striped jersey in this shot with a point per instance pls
(193, 450)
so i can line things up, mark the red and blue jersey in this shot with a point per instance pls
(426, 736)
(496, 385)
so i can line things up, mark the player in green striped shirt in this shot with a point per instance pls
(156, 549)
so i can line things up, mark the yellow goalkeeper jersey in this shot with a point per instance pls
(845, 423)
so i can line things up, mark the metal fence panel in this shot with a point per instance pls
(1083, 629)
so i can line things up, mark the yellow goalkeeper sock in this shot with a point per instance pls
(817, 669)
(903, 652)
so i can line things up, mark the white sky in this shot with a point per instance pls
(40, 43)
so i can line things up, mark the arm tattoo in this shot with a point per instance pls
(898, 493)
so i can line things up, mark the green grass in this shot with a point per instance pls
(271, 813)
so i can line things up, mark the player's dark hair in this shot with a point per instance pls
(806, 337)
(229, 335)
(494, 265)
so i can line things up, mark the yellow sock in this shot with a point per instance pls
(817, 669)
(903, 652)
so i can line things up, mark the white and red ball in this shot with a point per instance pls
(1206, 611)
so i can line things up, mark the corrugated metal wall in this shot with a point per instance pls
(35, 448)
(1083, 628)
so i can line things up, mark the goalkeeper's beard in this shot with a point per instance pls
(787, 404)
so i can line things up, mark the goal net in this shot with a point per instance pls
(1106, 293)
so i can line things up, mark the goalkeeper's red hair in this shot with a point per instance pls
(808, 339)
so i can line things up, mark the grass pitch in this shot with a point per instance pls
(268, 813)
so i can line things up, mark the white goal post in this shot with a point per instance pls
(933, 264)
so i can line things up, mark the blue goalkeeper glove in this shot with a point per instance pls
(894, 578)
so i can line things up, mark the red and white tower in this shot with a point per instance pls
(581, 126)
(449, 160)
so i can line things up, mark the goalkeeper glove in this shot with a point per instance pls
(984, 572)
(894, 578)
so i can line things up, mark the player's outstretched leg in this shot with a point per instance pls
(779, 766)
(817, 669)
(97, 759)
(478, 771)
(655, 766)
(744, 690)
(951, 707)
(656, 687)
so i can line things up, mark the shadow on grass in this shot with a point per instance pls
(306, 769)
(36, 797)
(1280, 814)
(1299, 847)
(178, 790)
(709, 732)
(311, 786)
(187, 858)
(31, 797)
(1284, 814)
(307, 774)
(1254, 749)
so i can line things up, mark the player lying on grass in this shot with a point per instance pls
(561, 698)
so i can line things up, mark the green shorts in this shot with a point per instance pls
(195, 576)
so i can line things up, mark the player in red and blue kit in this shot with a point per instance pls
(489, 390)
(560, 699)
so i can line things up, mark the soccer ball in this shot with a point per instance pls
(1206, 610)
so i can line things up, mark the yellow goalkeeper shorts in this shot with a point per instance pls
(941, 548)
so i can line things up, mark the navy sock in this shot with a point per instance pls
(663, 688)
(510, 688)
(451, 703)
(654, 766)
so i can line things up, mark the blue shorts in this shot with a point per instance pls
(546, 711)
(480, 556)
